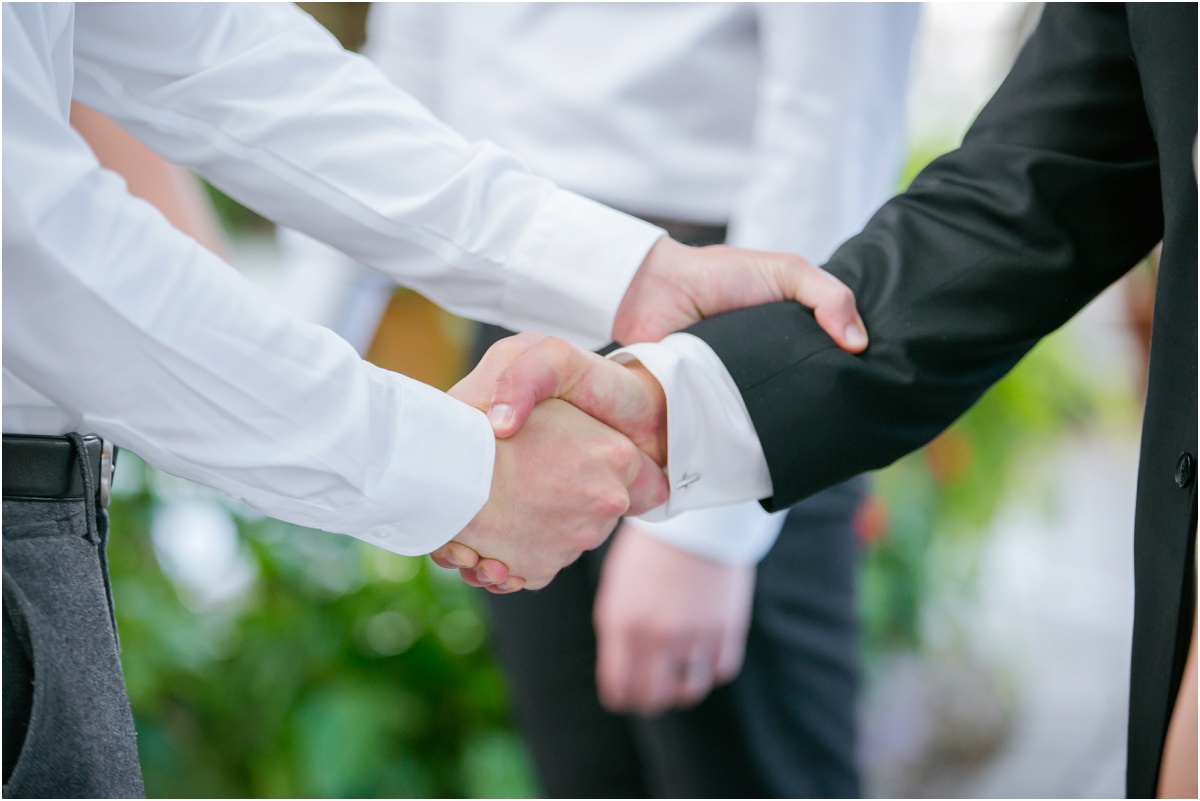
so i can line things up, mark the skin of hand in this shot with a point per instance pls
(678, 285)
(625, 397)
(555, 493)
(675, 286)
(670, 625)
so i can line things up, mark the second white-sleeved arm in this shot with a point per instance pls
(737, 534)
(137, 333)
(264, 103)
(407, 42)
(829, 127)
(713, 453)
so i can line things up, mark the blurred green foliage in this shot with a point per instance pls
(939, 500)
(233, 216)
(339, 670)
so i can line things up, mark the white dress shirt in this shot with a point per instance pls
(114, 322)
(785, 121)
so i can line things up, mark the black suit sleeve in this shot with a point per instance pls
(1053, 195)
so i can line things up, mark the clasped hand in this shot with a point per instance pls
(582, 440)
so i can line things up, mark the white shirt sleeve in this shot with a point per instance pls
(737, 534)
(263, 102)
(713, 453)
(829, 128)
(828, 148)
(407, 42)
(139, 334)
(151, 341)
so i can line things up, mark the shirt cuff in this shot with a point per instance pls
(740, 534)
(572, 267)
(713, 453)
(432, 486)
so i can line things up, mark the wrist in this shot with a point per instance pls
(652, 438)
(653, 279)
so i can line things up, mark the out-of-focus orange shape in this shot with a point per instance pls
(871, 520)
(948, 456)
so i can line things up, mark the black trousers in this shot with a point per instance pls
(68, 731)
(784, 728)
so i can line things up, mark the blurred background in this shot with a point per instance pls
(267, 660)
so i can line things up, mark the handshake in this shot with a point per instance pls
(582, 440)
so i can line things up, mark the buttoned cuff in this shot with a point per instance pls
(438, 477)
(713, 453)
(573, 264)
(739, 534)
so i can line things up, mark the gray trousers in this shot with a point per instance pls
(68, 731)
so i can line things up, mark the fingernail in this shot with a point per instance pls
(856, 337)
(500, 415)
(453, 561)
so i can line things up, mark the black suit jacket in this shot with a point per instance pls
(1079, 164)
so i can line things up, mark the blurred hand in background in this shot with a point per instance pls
(670, 625)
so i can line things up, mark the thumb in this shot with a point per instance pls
(477, 387)
(626, 399)
(832, 302)
(552, 368)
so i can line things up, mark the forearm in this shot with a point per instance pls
(146, 338)
(169, 188)
(1053, 196)
(271, 110)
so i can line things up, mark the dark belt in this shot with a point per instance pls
(694, 234)
(47, 468)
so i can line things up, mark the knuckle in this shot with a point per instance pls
(618, 453)
(612, 503)
(556, 348)
(506, 385)
(506, 350)
(624, 453)
(843, 294)
(793, 261)
(650, 633)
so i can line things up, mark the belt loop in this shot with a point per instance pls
(96, 527)
(108, 465)
(89, 488)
